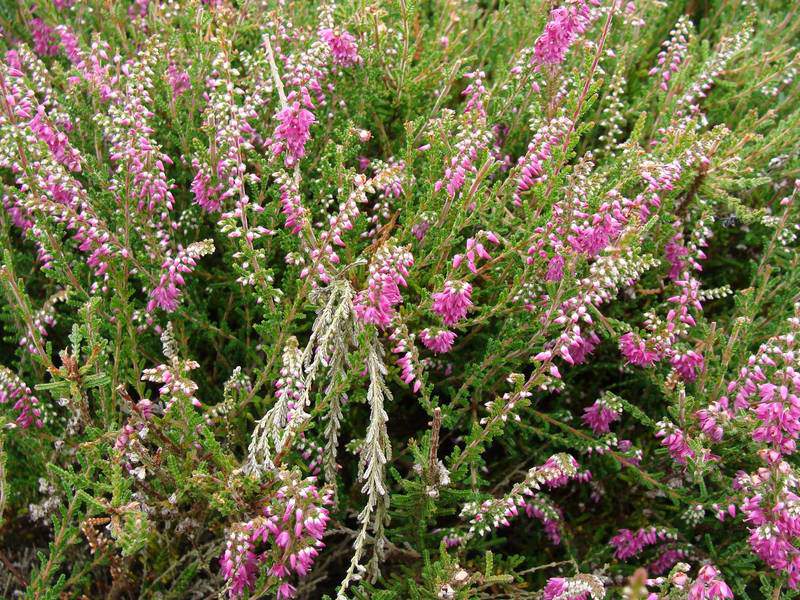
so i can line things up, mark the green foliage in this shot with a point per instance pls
(129, 427)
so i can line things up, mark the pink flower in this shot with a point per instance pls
(386, 274)
(708, 586)
(291, 203)
(555, 588)
(239, 565)
(44, 41)
(475, 249)
(292, 524)
(779, 413)
(453, 302)
(593, 237)
(559, 588)
(673, 53)
(628, 544)
(549, 517)
(421, 228)
(688, 364)
(343, 47)
(13, 389)
(601, 414)
(178, 80)
(774, 528)
(437, 340)
(582, 347)
(636, 351)
(56, 140)
(565, 25)
(206, 194)
(472, 137)
(673, 439)
(409, 364)
(166, 294)
(286, 590)
(292, 132)
(675, 253)
(666, 559)
(540, 148)
(555, 269)
(711, 417)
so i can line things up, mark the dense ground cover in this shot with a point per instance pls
(408, 299)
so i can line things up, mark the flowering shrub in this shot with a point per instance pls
(393, 300)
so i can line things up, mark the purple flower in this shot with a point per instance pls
(292, 524)
(453, 302)
(637, 351)
(238, 563)
(687, 364)
(292, 132)
(206, 194)
(45, 42)
(343, 47)
(13, 389)
(601, 414)
(437, 340)
(166, 294)
(178, 80)
(675, 441)
(628, 544)
(386, 274)
(565, 25)
(708, 586)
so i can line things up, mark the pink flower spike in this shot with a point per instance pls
(437, 340)
(453, 302)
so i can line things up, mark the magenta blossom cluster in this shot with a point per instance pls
(178, 80)
(13, 389)
(45, 42)
(226, 118)
(474, 250)
(294, 127)
(387, 274)
(338, 224)
(550, 516)
(239, 564)
(628, 544)
(673, 53)
(602, 413)
(343, 46)
(493, 513)
(291, 202)
(773, 517)
(540, 148)
(580, 587)
(290, 531)
(437, 340)
(565, 25)
(94, 67)
(472, 138)
(638, 351)
(50, 187)
(140, 162)
(709, 586)
(408, 361)
(166, 295)
(767, 389)
(453, 302)
(674, 440)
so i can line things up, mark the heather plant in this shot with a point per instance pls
(400, 299)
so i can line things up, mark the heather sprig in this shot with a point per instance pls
(331, 299)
